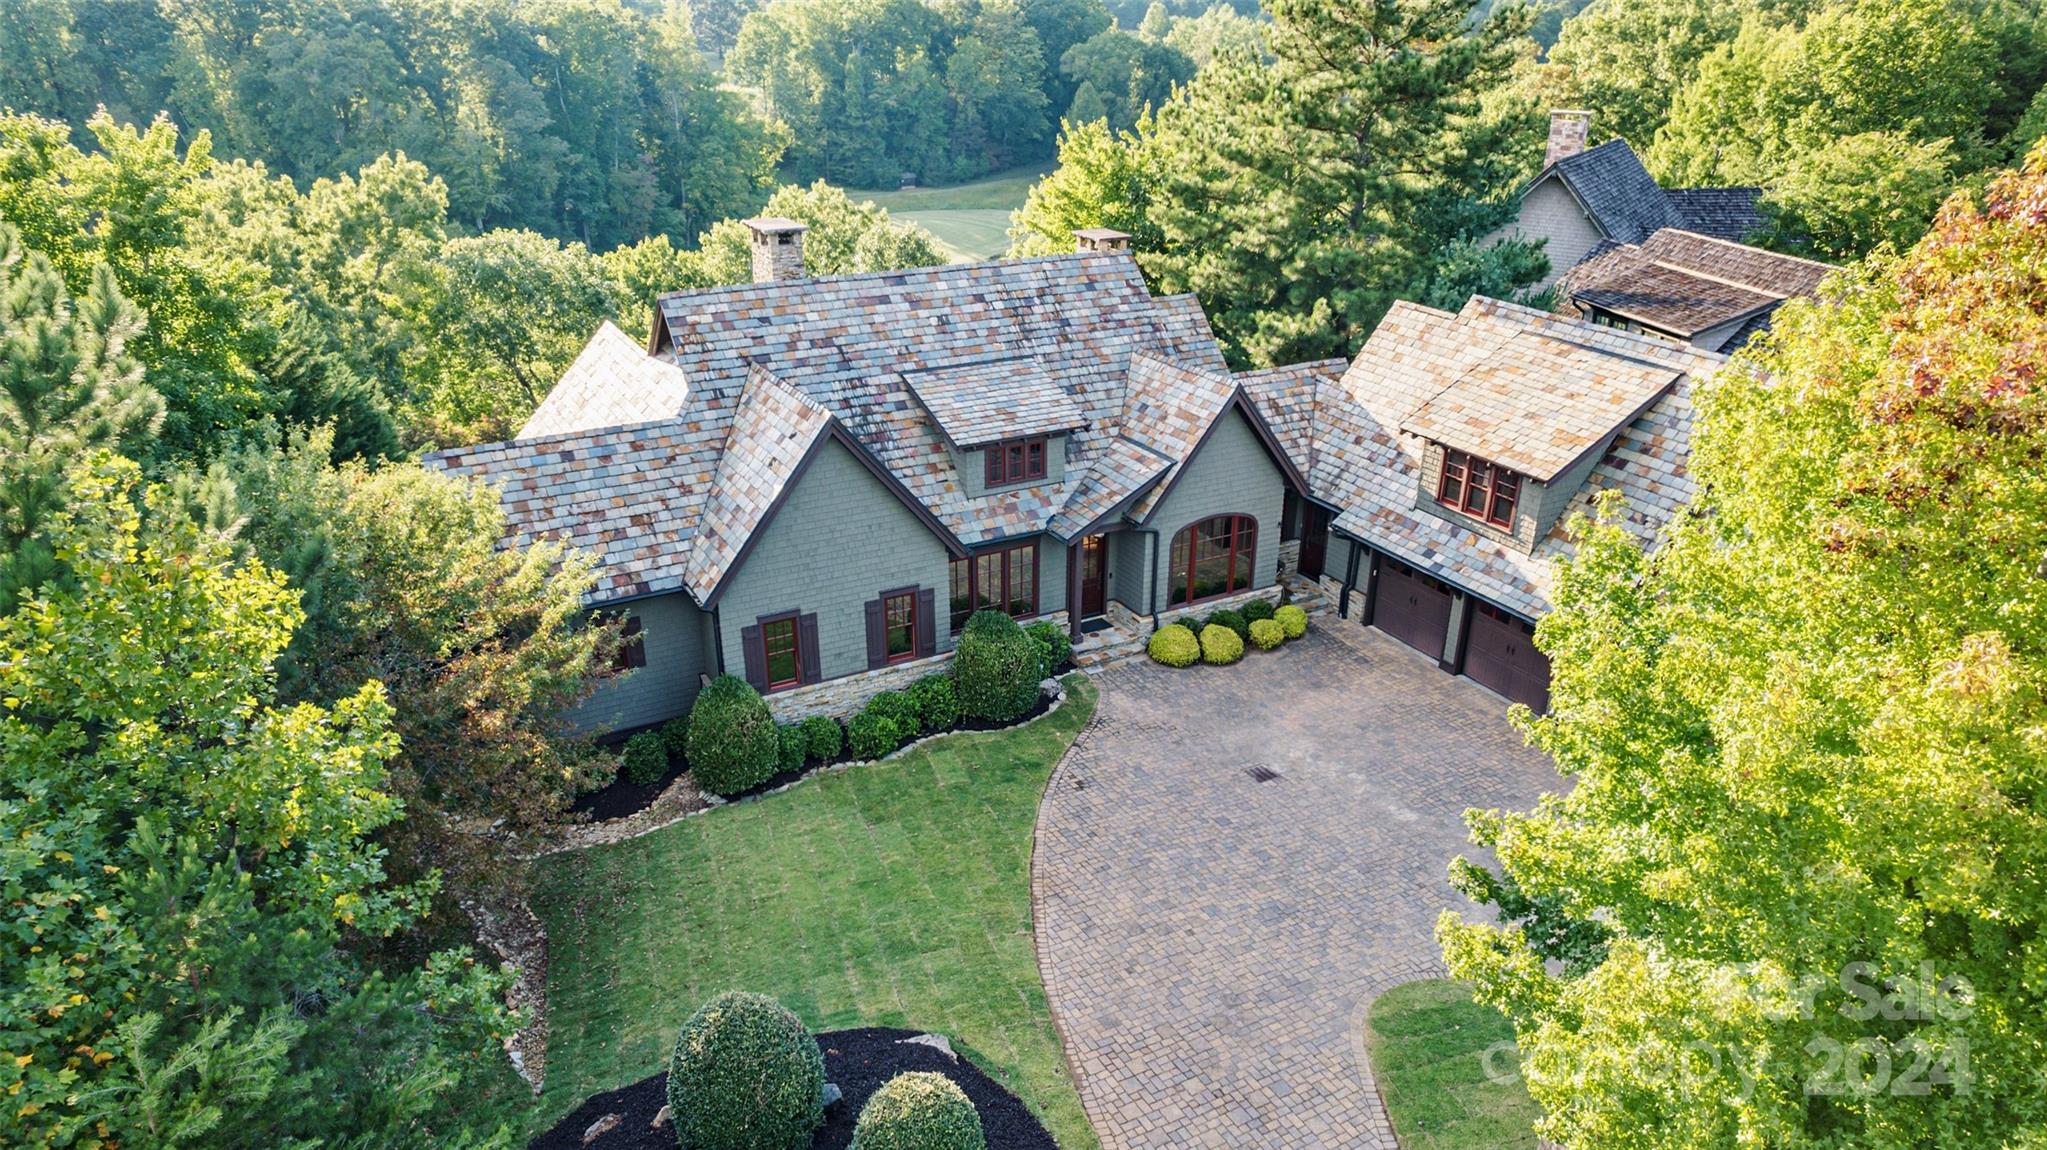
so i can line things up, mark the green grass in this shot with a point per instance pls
(971, 220)
(1428, 1042)
(895, 894)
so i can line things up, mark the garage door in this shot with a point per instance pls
(1412, 607)
(1501, 654)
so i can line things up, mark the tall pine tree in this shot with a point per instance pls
(1309, 194)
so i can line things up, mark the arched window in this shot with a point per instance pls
(1211, 558)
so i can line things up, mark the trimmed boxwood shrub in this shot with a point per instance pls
(1191, 622)
(821, 738)
(995, 668)
(1220, 645)
(675, 738)
(1257, 609)
(793, 747)
(1054, 644)
(1292, 620)
(937, 700)
(919, 1110)
(1174, 645)
(870, 736)
(1232, 620)
(1266, 634)
(898, 708)
(733, 743)
(645, 758)
(745, 1075)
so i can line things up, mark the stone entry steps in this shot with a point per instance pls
(1113, 644)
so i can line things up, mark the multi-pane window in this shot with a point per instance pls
(1210, 558)
(1015, 461)
(899, 625)
(1478, 488)
(632, 647)
(1000, 579)
(779, 655)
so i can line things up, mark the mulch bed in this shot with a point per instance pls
(858, 1061)
(622, 798)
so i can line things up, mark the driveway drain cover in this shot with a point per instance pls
(1261, 773)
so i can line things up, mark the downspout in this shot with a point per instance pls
(718, 639)
(1151, 586)
(1350, 577)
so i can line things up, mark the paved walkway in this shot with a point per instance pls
(1209, 942)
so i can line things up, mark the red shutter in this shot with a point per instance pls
(806, 648)
(877, 635)
(756, 657)
(927, 621)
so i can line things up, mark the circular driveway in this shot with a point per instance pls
(1209, 941)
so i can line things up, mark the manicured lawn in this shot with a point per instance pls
(896, 894)
(1428, 1042)
(972, 220)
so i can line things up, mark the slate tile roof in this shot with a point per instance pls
(772, 433)
(1630, 205)
(981, 402)
(1685, 283)
(1119, 472)
(1364, 465)
(613, 382)
(1287, 397)
(1169, 408)
(1723, 213)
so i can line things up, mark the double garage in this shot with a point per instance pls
(1491, 646)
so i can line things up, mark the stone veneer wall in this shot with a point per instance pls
(843, 697)
(1289, 557)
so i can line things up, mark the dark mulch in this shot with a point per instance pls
(859, 1061)
(1044, 704)
(622, 798)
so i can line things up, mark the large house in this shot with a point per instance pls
(782, 479)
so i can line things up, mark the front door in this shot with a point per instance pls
(1094, 572)
(1314, 540)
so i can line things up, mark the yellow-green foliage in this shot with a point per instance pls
(1220, 645)
(1174, 645)
(919, 1110)
(1292, 620)
(1267, 634)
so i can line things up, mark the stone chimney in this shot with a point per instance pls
(1103, 240)
(777, 249)
(1568, 131)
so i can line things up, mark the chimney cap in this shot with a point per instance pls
(1102, 239)
(776, 225)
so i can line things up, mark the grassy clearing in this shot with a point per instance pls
(1427, 1041)
(972, 220)
(896, 894)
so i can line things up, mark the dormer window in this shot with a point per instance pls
(1478, 488)
(1015, 461)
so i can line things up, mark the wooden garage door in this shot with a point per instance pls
(1412, 607)
(1501, 654)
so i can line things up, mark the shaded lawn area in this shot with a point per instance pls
(1428, 1041)
(894, 894)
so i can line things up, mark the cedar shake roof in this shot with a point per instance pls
(1537, 403)
(613, 382)
(771, 437)
(1365, 467)
(1685, 283)
(980, 403)
(1629, 205)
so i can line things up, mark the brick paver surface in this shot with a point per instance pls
(1210, 943)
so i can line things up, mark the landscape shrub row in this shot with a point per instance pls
(1220, 638)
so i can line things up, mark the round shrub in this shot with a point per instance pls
(1257, 609)
(1173, 645)
(919, 1111)
(1266, 634)
(745, 1075)
(937, 700)
(675, 738)
(1231, 619)
(995, 668)
(821, 738)
(898, 708)
(1220, 645)
(1191, 622)
(733, 744)
(1292, 620)
(793, 748)
(1054, 645)
(644, 758)
(870, 736)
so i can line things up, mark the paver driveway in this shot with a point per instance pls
(1210, 943)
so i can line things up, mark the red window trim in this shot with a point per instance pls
(632, 647)
(1182, 571)
(795, 621)
(908, 596)
(1002, 596)
(1015, 460)
(1500, 492)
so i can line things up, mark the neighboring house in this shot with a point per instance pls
(809, 462)
(1584, 197)
(1710, 293)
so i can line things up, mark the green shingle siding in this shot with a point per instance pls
(672, 634)
(1231, 473)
